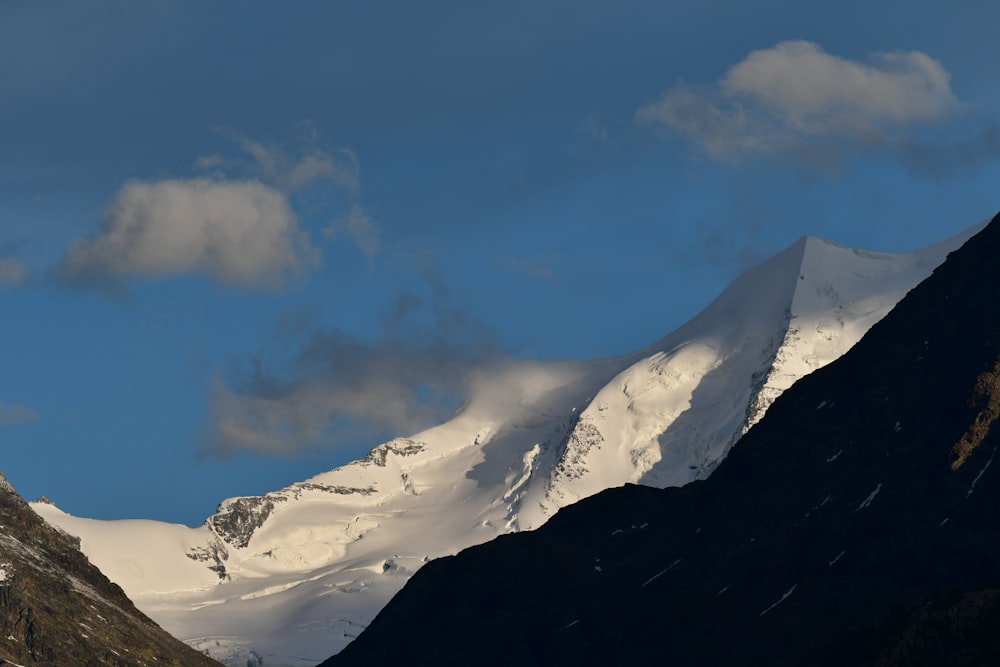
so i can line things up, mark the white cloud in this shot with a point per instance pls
(778, 98)
(723, 133)
(12, 272)
(237, 223)
(15, 414)
(818, 91)
(360, 228)
(239, 232)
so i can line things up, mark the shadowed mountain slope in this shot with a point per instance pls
(868, 486)
(58, 609)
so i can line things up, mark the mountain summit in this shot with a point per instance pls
(855, 524)
(296, 574)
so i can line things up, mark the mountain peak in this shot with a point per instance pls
(5, 485)
(839, 507)
(532, 438)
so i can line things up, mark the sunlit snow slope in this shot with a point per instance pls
(291, 577)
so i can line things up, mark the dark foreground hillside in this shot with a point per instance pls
(58, 610)
(858, 523)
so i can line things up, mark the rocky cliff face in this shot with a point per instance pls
(856, 523)
(58, 609)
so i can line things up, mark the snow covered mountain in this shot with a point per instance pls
(291, 577)
(856, 524)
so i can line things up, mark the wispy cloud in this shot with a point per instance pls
(719, 246)
(594, 128)
(213, 161)
(949, 157)
(333, 388)
(239, 232)
(13, 273)
(786, 98)
(537, 268)
(290, 170)
(15, 414)
(360, 228)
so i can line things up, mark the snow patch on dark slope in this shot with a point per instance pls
(295, 574)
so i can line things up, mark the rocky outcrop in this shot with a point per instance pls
(236, 520)
(399, 447)
(215, 554)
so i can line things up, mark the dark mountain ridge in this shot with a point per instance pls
(56, 609)
(867, 490)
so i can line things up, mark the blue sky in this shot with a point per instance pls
(240, 243)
